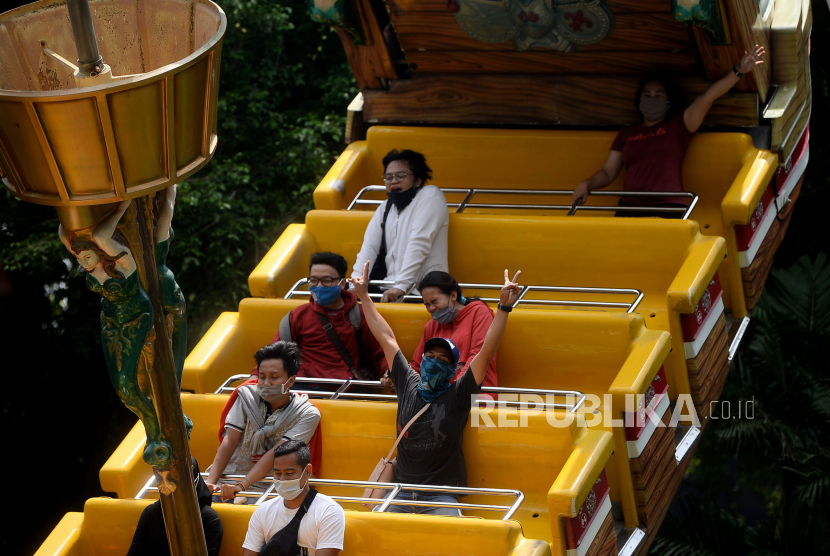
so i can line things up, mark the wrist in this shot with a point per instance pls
(737, 71)
(504, 307)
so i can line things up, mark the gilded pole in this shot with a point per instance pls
(177, 491)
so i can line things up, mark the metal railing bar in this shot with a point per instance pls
(149, 485)
(470, 193)
(343, 394)
(395, 488)
(630, 307)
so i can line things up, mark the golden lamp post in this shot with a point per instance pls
(105, 139)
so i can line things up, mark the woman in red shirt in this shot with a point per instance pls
(464, 320)
(653, 151)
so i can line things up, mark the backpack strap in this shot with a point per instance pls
(338, 343)
(379, 268)
(285, 327)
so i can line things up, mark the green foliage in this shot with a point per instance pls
(284, 88)
(780, 458)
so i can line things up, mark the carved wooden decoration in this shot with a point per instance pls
(705, 14)
(534, 23)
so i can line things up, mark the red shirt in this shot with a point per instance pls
(653, 157)
(319, 357)
(467, 332)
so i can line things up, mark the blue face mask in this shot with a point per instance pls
(435, 378)
(326, 295)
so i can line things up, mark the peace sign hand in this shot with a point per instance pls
(751, 59)
(361, 285)
(510, 291)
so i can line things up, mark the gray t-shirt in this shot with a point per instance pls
(430, 452)
(243, 457)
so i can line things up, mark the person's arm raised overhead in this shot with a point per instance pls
(694, 114)
(509, 294)
(607, 174)
(168, 207)
(383, 333)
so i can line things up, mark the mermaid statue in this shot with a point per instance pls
(172, 298)
(127, 332)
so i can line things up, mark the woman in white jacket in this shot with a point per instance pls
(407, 236)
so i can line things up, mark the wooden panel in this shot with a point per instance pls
(746, 28)
(372, 62)
(653, 471)
(399, 7)
(539, 61)
(709, 369)
(643, 31)
(755, 276)
(605, 543)
(517, 99)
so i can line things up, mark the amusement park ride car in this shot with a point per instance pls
(513, 103)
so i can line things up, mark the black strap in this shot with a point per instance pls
(284, 541)
(379, 269)
(338, 343)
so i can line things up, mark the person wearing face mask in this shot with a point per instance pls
(407, 236)
(463, 320)
(653, 151)
(347, 349)
(430, 451)
(150, 537)
(264, 416)
(299, 520)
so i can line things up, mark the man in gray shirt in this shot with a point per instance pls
(264, 416)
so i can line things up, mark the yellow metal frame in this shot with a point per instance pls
(355, 432)
(724, 169)
(623, 355)
(670, 261)
(106, 527)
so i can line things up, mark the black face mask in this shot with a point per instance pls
(401, 199)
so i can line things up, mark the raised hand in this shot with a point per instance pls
(361, 285)
(751, 59)
(510, 291)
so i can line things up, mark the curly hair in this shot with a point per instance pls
(107, 260)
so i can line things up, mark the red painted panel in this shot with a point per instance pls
(576, 527)
(744, 234)
(783, 173)
(692, 324)
(648, 403)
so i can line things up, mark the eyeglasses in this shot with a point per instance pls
(326, 281)
(399, 175)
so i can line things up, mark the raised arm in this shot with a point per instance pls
(165, 218)
(609, 172)
(383, 333)
(509, 295)
(694, 114)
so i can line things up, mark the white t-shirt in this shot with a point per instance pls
(324, 526)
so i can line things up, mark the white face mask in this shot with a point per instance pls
(289, 489)
(273, 394)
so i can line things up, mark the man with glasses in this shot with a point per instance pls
(330, 329)
(407, 236)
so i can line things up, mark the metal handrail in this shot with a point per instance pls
(383, 503)
(629, 307)
(346, 384)
(470, 193)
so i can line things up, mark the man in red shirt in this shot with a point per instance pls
(332, 303)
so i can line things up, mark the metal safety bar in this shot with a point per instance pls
(343, 385)
(629, 307)
(383, 504)
(470, 193)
